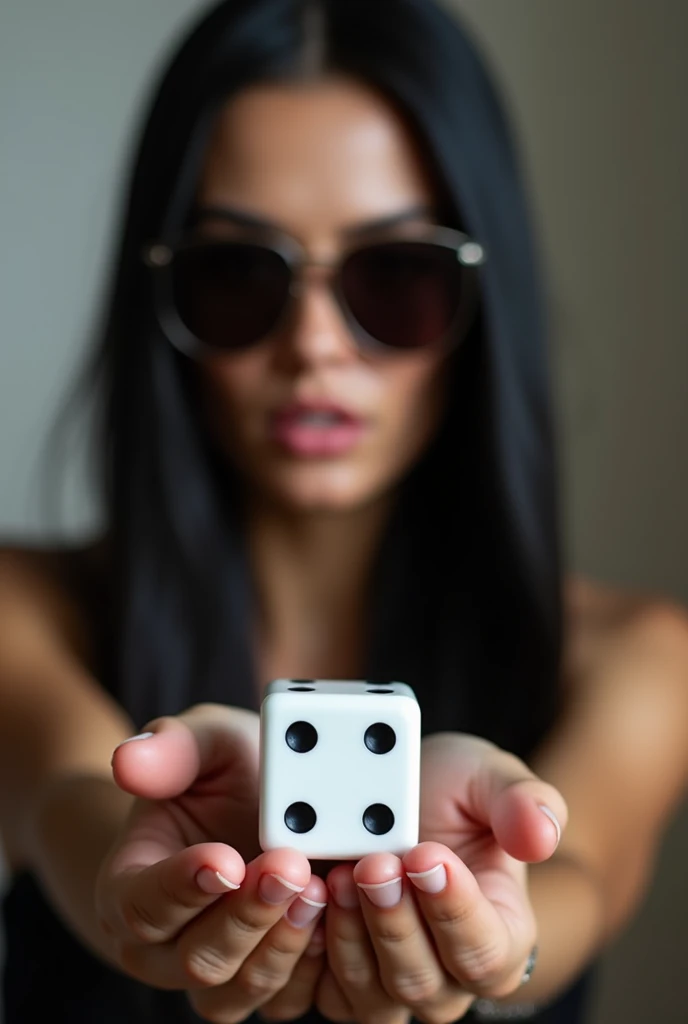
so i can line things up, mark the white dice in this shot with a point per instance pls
(340, 768)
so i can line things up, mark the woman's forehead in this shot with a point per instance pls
(326, 154)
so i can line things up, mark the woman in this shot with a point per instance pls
(327, 452)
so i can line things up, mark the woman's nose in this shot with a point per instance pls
(316, 329)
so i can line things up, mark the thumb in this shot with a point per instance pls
(526, 814)
(173, 753)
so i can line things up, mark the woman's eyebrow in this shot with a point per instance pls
(422, 211)
(242, 218)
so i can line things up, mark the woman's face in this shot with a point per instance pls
(325, 163)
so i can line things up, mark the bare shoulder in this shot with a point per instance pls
(606, 626)
(626, 669)
(26, 568)
(40, 584)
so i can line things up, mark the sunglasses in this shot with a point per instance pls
(400, 294)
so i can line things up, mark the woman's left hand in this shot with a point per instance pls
(426, 934)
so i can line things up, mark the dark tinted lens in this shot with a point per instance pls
(230, 295)
(404, 294)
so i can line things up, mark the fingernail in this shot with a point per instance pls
(141, 736)
(346, 894)
(213, 882)
(553, 818)
(317, 944)
(383, 894)
(275, 889)
(433, 880)
(303, 911)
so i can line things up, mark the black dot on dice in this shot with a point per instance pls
(380, 689)
(300, 817)
(301, 737)
(378, 819)
(301, 685)
(380, 738)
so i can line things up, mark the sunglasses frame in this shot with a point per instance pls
(159, 258)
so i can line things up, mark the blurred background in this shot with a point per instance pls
(597, 90)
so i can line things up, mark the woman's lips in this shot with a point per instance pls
(316, 429)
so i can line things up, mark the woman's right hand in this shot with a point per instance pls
(185, 898)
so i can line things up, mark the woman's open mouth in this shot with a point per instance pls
(316, 429)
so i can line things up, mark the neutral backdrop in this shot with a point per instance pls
(597, 90)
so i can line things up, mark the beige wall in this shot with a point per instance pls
(599, 91)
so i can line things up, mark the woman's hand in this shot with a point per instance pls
(426, 934)
(180, 899)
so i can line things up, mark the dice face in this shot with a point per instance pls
(340, 768)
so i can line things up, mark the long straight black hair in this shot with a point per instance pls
(465, 597)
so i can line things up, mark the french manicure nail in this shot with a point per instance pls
(433, 880)
(275, 889)
(553, 818)
(141, 736)
(383, 894)
(213, 882)
(303, 911)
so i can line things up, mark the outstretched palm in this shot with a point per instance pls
(485, 806)
(185, 898)
(193, 787)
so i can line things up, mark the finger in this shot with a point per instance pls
(492, 788)
(210, 950)
(483, 950)
(152, 904)
(172, 752)
(411, 972)
(527, 818)
(300, 992)
(269, 969)
(526, 815)
(331, 1001)
(213, 947)
(351, 954)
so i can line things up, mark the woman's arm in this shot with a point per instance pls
(58, 728)
(150, 884)
(620, 759)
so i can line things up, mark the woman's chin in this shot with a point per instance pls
(319, 502)
(320, 492)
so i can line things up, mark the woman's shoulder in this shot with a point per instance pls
(43, 565)
(54, 582)
(611, 629)
(625, 713)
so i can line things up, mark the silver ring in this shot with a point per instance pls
(486, 1009)
(530, 965)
